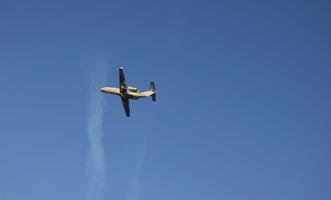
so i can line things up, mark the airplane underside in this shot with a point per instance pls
(133, 97)
(127, 93)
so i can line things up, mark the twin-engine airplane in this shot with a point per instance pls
(127, 93)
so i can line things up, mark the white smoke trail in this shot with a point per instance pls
(137, 172)
(96, 168)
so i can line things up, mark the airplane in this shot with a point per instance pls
(127, 93)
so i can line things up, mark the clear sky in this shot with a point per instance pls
(243, 110)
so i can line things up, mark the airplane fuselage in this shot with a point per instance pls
(127, 94)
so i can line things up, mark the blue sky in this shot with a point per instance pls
(243, 109)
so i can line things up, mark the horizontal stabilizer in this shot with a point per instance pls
(152, 88)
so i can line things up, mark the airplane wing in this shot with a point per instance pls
(126, 106)
(122, 79)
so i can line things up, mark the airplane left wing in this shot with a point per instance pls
(126, 106)
(122, 80)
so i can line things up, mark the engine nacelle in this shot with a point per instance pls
(133, 89)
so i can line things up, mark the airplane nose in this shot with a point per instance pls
(103, 89)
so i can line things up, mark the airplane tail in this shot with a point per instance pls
(152, 89)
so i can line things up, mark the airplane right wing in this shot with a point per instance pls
(126, 106)
(122, 79)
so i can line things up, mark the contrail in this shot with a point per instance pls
(96, 168)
